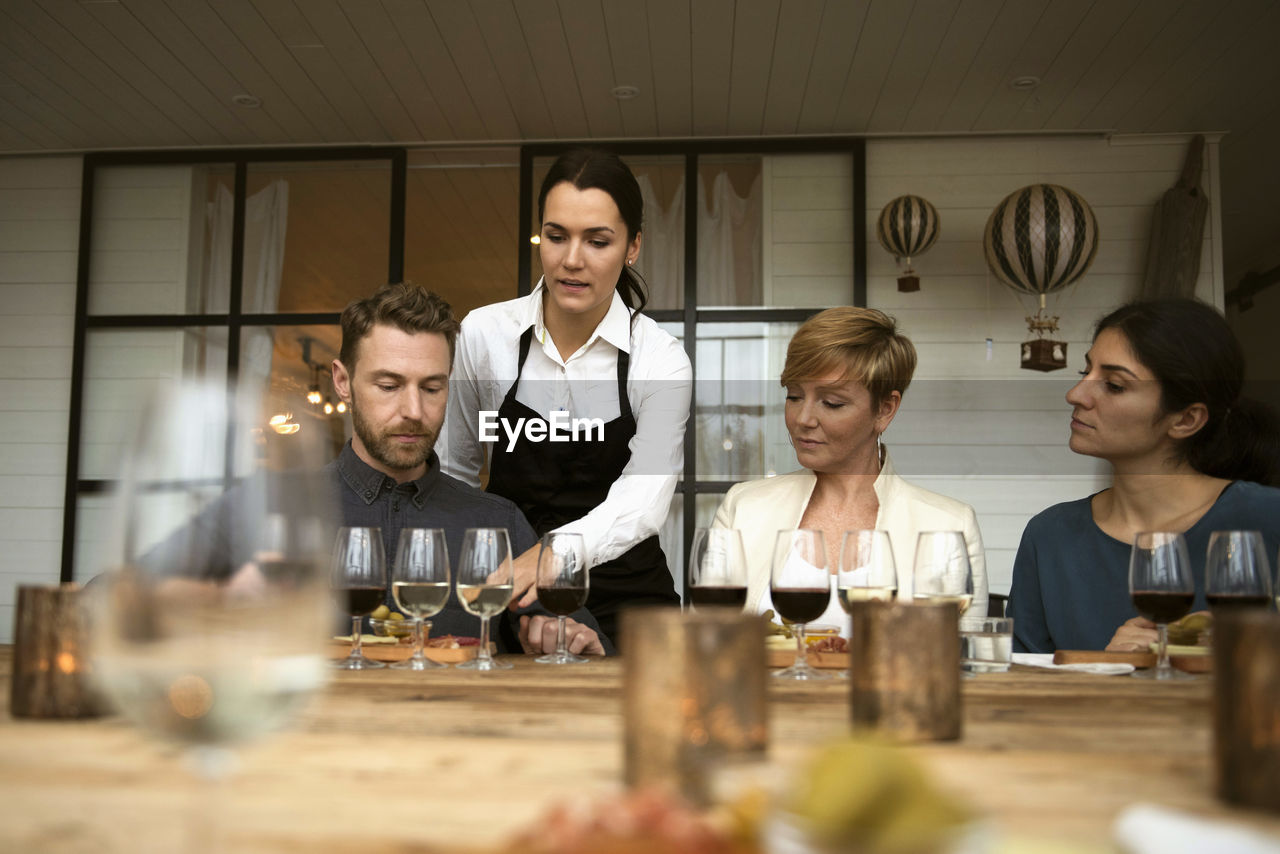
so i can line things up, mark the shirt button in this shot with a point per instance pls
(368, 493)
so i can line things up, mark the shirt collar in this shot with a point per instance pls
(368, 483)
(615, 328)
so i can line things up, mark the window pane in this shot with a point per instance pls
(122, 369)
(160, 243)
(738, 415)
(282, 364)
(460, 226)
(316, 234)
(661, 260)
(775, 230)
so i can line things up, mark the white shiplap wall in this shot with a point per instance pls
(984, 430)
(39, 228)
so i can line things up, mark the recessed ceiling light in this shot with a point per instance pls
(625, 93)
(1025, 83)
(246, 100)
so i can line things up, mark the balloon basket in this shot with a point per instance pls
(908, 284)
(1043, 354)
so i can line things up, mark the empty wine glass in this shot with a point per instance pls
(485, 580)
(941, 571)
(209, 626)
(800, 587)
(420, 586)
(359, 579)
(563, 584)
(717, 568)
(867, 569)
(1162, 589)
(1237, 572)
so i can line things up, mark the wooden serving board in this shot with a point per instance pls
(787, 657)
(1191, 663)
(401, 651)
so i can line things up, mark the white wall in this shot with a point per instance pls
(984, 430)
(39, 230)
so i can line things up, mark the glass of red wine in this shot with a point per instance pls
(563, 584)
(1162, 589)
(800, 587)
(717, 569)
(1237, 572)
(420, 585)
(359, 578)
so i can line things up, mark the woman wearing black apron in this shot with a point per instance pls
(575, 400)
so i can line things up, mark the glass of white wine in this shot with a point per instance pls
(942, 572)
(867, 572)
(485, 579)
(420, 586)
(209, 627)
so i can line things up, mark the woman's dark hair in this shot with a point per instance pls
(592, 168)
(1197, 359)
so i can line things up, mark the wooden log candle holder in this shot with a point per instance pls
(904, 669)
(693, 696)
(51, 656)
(1246, 707)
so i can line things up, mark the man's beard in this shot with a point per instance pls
(383, 447)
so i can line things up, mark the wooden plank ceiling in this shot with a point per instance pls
(98, 74)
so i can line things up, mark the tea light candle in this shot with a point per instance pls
(50, 656)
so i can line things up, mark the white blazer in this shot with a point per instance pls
(761, 508)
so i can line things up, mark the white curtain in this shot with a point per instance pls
(265, 227)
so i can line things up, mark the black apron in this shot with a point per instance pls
(554, 483)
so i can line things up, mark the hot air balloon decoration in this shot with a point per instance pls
(1039, 240)
(907, 227)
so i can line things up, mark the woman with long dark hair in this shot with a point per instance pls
(1160, 400)
(576, 401)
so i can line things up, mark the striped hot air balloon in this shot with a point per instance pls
(1041, 239)
(907, 227)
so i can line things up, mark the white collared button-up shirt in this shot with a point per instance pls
(584, 386)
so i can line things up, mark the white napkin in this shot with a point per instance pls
(1150, 829)
(1045, 660)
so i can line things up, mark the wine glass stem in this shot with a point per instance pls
(802, 648)
(483, 653)
(355, 637)
(560, 644)
(417, 637)
(1162, 642)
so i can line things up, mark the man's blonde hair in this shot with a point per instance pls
(857, 343)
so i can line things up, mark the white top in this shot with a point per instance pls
(659, 384)
(761, 508)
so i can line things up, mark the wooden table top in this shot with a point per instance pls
(388, 761)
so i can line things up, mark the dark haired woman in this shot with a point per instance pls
(1159, 400)
(578, 351)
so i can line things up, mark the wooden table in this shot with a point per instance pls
(386, 761)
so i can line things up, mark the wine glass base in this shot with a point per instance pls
(557, 658)
(1170, 675)
(358, 662)
(802, 672)
(422, 663)
(484, 664)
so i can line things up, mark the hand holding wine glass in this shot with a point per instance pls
(420, 585)
(360, 582)
(1162, 589)
(485, 584)
(718, 568)
(1237, 572)
(800, 587)
(563, 584)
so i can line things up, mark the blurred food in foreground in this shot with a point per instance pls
(1191, 630)
(860, 795)
(633, 823)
